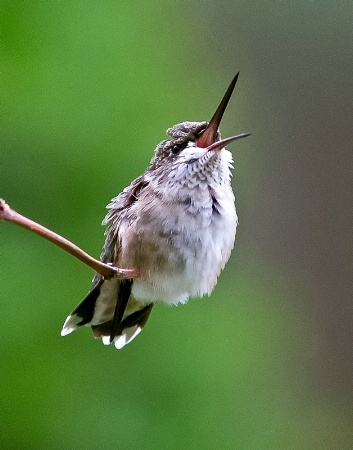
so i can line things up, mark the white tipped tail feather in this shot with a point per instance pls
(70, 325)
(111, 312)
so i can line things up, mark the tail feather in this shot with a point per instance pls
(114, 315)
(124, 295)
(83, 313)
(128, 329)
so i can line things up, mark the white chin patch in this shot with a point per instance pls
(70, 325)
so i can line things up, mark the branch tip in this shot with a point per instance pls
(106, 270)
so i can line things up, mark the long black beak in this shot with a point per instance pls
(209, 135)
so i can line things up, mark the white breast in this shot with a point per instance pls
(180, 231)
(183, 257)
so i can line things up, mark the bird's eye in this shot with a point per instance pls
(176, 149)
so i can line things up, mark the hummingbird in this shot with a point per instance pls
(175, 225)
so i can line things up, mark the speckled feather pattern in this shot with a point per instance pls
(180, 229)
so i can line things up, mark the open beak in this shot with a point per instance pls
(208, 137)
(223, 142)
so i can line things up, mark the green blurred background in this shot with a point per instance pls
(89, 88)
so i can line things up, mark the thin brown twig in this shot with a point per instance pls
(9, 215)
